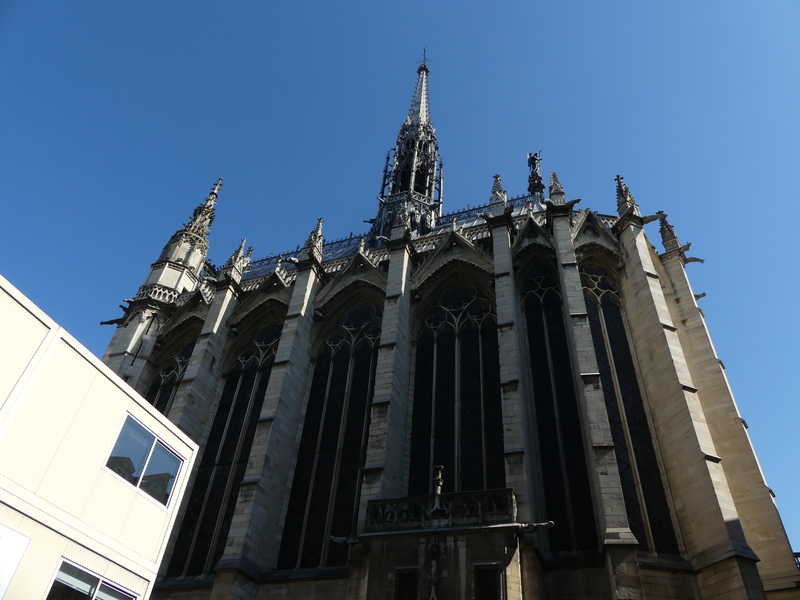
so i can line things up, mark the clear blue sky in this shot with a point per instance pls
(118, 117)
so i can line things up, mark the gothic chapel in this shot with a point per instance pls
(518, 400)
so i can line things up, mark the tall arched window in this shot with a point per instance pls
(165, 383)
(642, 487)
(207, 520)
(323, 503)
(565, 479)
(457, 420)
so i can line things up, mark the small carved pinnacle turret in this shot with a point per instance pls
(203, 215)
(557, 194)
(313, 246)
(238, 263)
(626, 204)
(668, 237)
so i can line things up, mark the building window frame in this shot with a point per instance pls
(156, 444)
(122, 592)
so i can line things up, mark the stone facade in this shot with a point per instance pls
(550, 359)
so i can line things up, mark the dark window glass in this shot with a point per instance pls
(72, 583)
(565, 479)
(130, 453)
(209, 511)
(323, 502)
(642, 486)
(457, 418)
(162, 468)
(406, 585)
(137, 449)
(487, 584)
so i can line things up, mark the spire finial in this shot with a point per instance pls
(203, 215)
(668, 237)
(419, 114)
(557, 194)
(625, 200)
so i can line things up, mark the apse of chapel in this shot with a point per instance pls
(358, 269)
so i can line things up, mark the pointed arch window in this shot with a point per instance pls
(642, 486)
(323, 503)
(162, 390)
(457, 418)
(565, 479)
(209, 512)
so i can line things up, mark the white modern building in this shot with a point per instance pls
(91, 475)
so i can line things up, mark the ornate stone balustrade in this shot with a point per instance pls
(157, 292)
(460, 509)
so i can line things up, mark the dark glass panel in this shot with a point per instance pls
(220, 421)
(165, 393)
(406, 586)
(472, 452)
(352, 445)
(570, 423)
(492, 407)
(487, 584)
(444, 409)
(183, 543)
(241, 464)
(72, 583)
(326, 463)
(638, 426)
(546, 427)
(298, 499)
(158, 478)
(131, 451)
(627, 479)
(230, 443)
(420, 459)
(204, 535)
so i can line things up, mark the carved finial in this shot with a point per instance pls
(454, 224)
(361, 244)
(557, 195)
(315, 237)
(625, 201)
(668, 237)
(499, 195)
(203, 215)
(239, 261)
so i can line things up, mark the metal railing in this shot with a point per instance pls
(484, 507)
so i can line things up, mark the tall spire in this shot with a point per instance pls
(203, 215)
(413, 172)
(420, 111)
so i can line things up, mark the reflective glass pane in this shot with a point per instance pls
(72, 583)
(160, 474)
(107, 593)
(130, 452)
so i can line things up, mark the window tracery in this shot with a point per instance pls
(165, 383)
(209, 512)
(326, 485)
(642, 486)
(457, 417)
(565, 479)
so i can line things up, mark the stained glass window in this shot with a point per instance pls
(457, 417)
(209, 512)
(642, 486)
(325, 489)
(565, 479)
